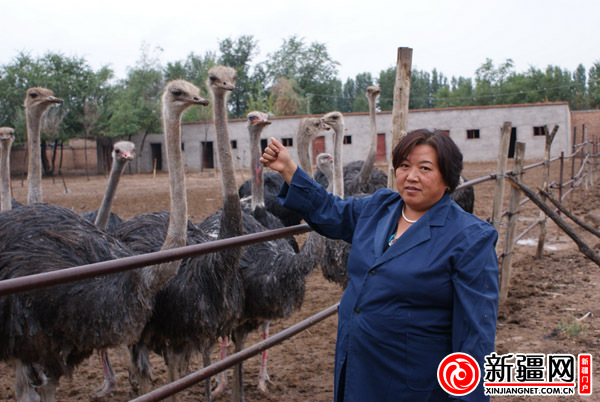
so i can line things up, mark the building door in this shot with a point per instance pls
(513, 141)
(318, 146)
(208, 161)
(156, 156)
(380, 155)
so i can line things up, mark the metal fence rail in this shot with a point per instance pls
(65, 275)
(194, 378)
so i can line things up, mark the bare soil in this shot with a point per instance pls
(546, 298)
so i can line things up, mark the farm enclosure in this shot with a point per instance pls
(545, 297)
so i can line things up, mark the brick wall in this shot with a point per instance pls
(588, 118)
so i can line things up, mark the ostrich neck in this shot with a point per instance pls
(231, 221)
(311, 254)
(111, 188)
(5, 176)
(258, 191)
(328, 172)
(304, 154)
(369, 162)
(34, 164)
(159, 275)
(338, 168)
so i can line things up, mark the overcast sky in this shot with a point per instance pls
(454, 36)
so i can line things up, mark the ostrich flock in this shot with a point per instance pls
(174, 309)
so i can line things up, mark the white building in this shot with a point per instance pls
(476, 131)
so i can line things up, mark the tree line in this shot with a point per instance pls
(299, 78)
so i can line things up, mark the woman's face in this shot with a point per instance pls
(419, 180)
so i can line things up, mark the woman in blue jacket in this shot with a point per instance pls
(423, 274)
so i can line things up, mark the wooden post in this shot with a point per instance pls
(154, 169)
(560, 185)
(572, 172)
(545, 184)
(585, 152)
(511, 229)
(400, 107)
(500, 172)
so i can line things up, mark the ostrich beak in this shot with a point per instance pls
(54, 99)
(199, 101)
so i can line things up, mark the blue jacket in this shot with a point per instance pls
(432, 293)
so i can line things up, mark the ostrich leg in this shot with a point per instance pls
(221, 377)
(263, 377)
(109, 376)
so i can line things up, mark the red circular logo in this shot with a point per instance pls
(458, 374)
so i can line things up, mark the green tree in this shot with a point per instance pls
(71, 78)
(594, 85)
(311, 67)
(137, 104)
(361, 103)
(344, 103)
(238, 54)
(386, 81)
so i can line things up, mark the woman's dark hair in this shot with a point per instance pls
(449, 156)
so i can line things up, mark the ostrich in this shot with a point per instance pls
(255, 204)
(307, 128)
(325, 166)
(123, 152)
(205, 299)
(37, 102)
(7, 135)
(274, 276)
(48, 332)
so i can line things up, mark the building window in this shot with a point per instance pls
(233, 144)
(472, 134)
(182, 146)
(539, 130)
(347, 139)
(287, 142)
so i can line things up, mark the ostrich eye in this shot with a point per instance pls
(117, 150)
(33, 95)
(176, 92)
(212, 78)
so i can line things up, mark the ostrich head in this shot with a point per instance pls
(257, 119)
(323, 160)
(373, 91)
(311, 126)
(40, 99)
(335, 120)
(180, 95)
(7, 135)
(221, 79)
(124, 150)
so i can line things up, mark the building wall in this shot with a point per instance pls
(488, 120)
(73, 158)
(588, 120)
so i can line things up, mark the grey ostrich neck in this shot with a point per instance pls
(369, 163)
(303, 150)
(5, 174)
(231, 224)
(34, 164)
(157, 276)
(327, 170)
(177, 231)
(338, 168)
(111, 188)
(258, 191)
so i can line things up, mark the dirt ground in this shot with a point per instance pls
(547, 297)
